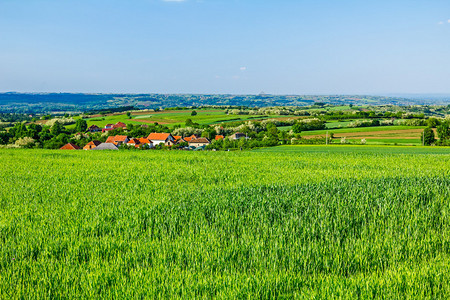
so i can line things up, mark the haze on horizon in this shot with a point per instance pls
(225, 46)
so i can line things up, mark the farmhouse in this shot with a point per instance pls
(146, 141)
(106, 146)
(120, 125)
(93, 128)
(161, 138)
(237, 136)
(134, 142)
(70, 146)
(189, 138)
(91, 145)
(199, 142)
(117, 139)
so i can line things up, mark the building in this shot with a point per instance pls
(94, 128)
(117, 139)
(120, 125)
(189, 138)
(199, 142)
(91, 145)
(106, 146)
(219, 137)
(134, 142)
(146, 141)
(70, 146)
(237, 136)
(161, 138)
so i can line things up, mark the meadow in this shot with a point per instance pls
(281, 222)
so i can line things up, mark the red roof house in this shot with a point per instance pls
(161, 138)
(70, 146)
(117, 139)
(91, 145)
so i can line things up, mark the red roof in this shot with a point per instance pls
(94, 143)
(177, 137)
(120, 125)
(109, 125)
(116, 139)
(70, 146)
(134, 141)
(158, 136)
(200, 140)
(120, 138)
(218, 137)
(144, 140)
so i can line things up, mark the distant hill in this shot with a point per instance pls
(68, 102)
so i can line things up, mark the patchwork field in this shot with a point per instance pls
(281, 222)
(170, 117)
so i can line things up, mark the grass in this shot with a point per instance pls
(170, 118)
(361, 129)
(282, 222)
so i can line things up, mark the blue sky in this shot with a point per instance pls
(225, 46)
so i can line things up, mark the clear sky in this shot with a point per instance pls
(225, 46)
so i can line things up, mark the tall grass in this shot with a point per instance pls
(306, 224)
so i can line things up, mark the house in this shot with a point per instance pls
(91, 145)
(161, 138)
(108, 127)
(117, 139)
(189, 138)
(181, 140)
(93, 128)
(134, 142)
(177, 137)
(70, 146)
(146, 141)
(237, 136)
(199, 142)
(120, 125)
(106, 146)
(219, 137)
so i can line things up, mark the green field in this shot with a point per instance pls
(170, 118)
(283, 222)
(361, 129)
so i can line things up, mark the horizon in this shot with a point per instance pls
(225, 47)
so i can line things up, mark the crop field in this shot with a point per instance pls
(281, 222)
(205, 117)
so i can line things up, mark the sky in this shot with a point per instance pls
(225, 46)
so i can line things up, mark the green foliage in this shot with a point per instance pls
(81, 125)
(427, 137)
(299, 222)
(193, 113)
(311, 124)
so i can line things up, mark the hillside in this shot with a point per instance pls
(67, 102)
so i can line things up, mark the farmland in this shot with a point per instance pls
(289, 221)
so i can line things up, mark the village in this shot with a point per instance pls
(153, 140)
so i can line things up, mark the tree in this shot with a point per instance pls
(428, 136)
(443, 131)
(129, 115)
(81, 125)
(432, 122)
(193, 113)
(188, 123)
(56, 129)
